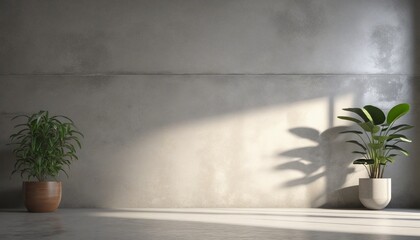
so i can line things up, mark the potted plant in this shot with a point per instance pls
(44, 146)
(378, 142)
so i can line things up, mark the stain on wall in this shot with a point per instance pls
(385, 40)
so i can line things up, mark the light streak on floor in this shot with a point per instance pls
(208, 224)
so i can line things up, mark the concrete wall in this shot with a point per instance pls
(209, 103)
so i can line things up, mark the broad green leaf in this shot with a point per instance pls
(367, 115)
(397, 111)
(359, 112)
(378, 117)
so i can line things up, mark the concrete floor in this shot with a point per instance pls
(206, 224)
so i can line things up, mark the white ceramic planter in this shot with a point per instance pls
(375, 193)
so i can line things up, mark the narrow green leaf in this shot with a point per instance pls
(357, 143)
(19, 116)
(61, 116)
(364, 161)
(352, 131)
(394, 147)
(358, 152)
(400, 137)
(390, 159)
(359, 112)
(402, 127)
(349, 119)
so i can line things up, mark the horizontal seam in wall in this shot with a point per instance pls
(206, 74)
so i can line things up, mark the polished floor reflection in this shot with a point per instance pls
(209, 224)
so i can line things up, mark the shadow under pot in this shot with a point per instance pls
(375, 193)
(42, 196)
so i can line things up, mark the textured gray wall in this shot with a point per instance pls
(209, 103)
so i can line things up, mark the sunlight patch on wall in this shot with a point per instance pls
(340, 102)
(248, 159)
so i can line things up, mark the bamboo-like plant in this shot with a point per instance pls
(380, 136)
(44, 145)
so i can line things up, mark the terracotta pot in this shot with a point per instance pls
(42, 196)
(375, 193)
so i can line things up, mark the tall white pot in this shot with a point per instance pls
(375, 193)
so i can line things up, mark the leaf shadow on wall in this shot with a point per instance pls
(330, 159)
